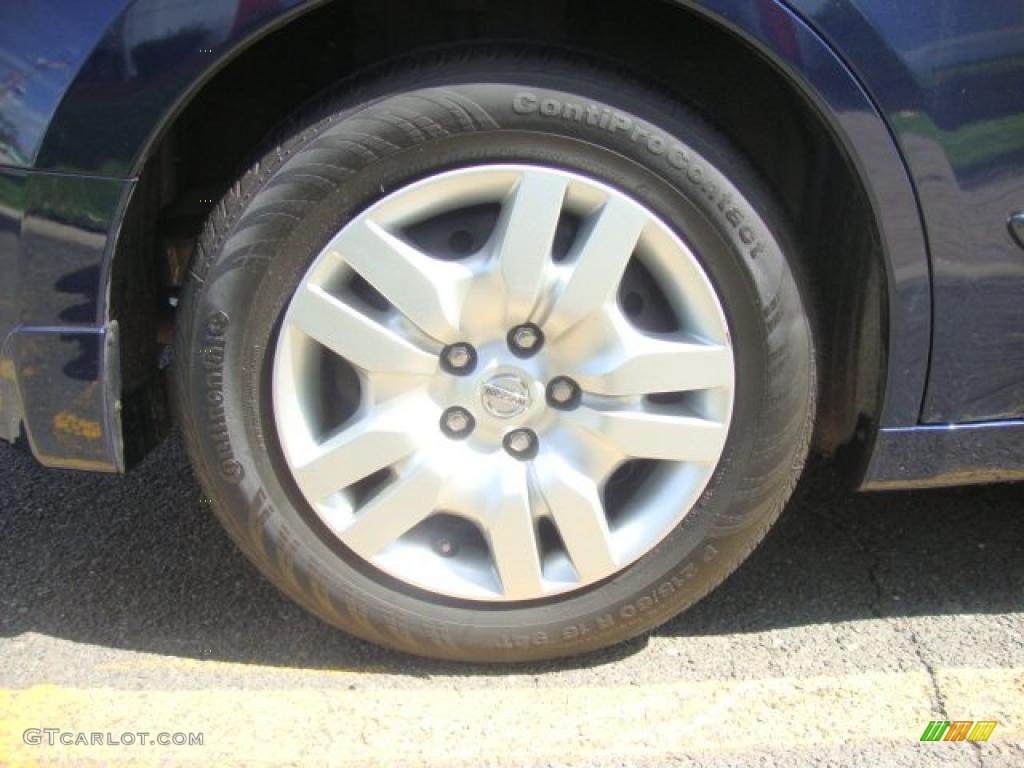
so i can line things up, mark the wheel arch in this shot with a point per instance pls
(874, 311)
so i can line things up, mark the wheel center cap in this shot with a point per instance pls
(506, 395)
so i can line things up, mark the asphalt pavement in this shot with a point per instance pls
(125, 609)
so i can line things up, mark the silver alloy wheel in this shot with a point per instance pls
(468, 515)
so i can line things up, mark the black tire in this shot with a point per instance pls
(444, 112)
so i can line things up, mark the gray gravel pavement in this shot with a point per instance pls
(861, 618)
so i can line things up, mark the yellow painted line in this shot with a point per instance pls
(448, 726)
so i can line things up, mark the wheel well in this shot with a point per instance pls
(205, 148)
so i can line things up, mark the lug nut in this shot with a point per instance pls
(524, 340)
(457, 422)
(446, 547)
(563, 393)
(459, 358)
(521, 443)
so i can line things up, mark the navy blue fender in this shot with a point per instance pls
(148, 60)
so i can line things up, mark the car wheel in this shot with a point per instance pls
(496, 357)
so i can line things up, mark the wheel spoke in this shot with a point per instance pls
(369, 445)
(525, 235)
(579, 514)
(607, 243)
(655, 434)
(356, 337)
(427, 291)
(513, 538)
(394, 511)
(646, 365)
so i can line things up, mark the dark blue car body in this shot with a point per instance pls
(926, 98)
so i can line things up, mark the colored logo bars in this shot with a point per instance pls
(958, 730)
